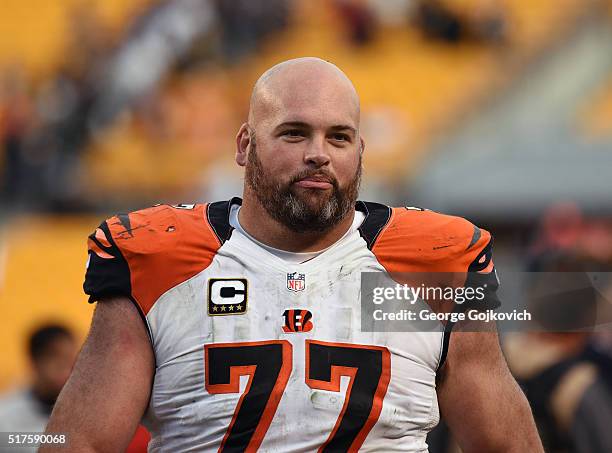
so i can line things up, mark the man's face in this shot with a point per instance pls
(304, 161)
(54, 366)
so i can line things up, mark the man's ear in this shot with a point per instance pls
(243, 140)
(361, 145)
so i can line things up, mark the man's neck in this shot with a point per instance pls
(260, 225)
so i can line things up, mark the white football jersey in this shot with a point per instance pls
(256, 353)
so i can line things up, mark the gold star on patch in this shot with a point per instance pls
(214, 308)
(231, 308)
(222, 307)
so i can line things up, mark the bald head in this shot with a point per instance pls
(303, 83)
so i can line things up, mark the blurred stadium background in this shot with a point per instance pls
(496, 110)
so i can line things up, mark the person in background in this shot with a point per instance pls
(359, 20)
(563, 370)
(52, 350)
(484, 22)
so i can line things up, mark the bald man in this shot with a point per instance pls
(236, 325)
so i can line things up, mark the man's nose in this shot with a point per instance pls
(317, 153)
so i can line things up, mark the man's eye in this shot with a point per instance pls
(340, 137)
(294, 133)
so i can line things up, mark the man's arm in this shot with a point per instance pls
(109, 388)
(479, 399)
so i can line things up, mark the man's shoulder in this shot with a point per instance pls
(430, 225)
(20, 412)
(418, 239)
(162, 226)
(152, 228)
(14, 401)
(399, 223)
(144, 253)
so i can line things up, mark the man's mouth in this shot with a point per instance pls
(315, 182)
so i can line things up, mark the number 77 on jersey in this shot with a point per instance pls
(268, 365)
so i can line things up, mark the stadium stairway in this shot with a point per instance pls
(530, 147)
(595, 117)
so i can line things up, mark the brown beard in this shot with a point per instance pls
(290, 208)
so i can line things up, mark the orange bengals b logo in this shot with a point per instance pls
(297, 321)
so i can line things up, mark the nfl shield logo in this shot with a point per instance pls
(296, 282)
